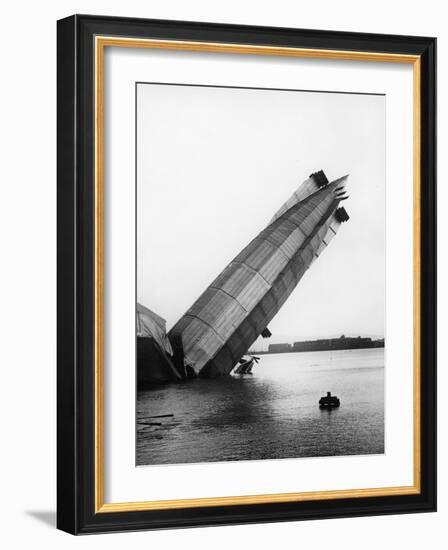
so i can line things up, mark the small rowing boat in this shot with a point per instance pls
(329, 401)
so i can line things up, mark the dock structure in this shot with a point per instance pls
(219, 328)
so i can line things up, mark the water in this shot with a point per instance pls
(272, 414)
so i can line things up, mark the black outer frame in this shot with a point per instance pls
(75, 294)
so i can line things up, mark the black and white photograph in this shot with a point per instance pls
(260, 273)
(246, 239)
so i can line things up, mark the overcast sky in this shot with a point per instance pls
(213, 166)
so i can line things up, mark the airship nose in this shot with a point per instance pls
(340, 189)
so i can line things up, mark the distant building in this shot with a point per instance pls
(337, 344)
(279, 348)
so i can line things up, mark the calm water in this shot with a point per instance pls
(272, 414)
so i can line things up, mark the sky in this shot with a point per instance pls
(213, 166)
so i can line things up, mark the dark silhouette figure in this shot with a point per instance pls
(329, 401)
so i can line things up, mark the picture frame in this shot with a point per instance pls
(82, 43)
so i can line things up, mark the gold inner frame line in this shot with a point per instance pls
(101, 42)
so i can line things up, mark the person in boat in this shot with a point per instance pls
(329, 401)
